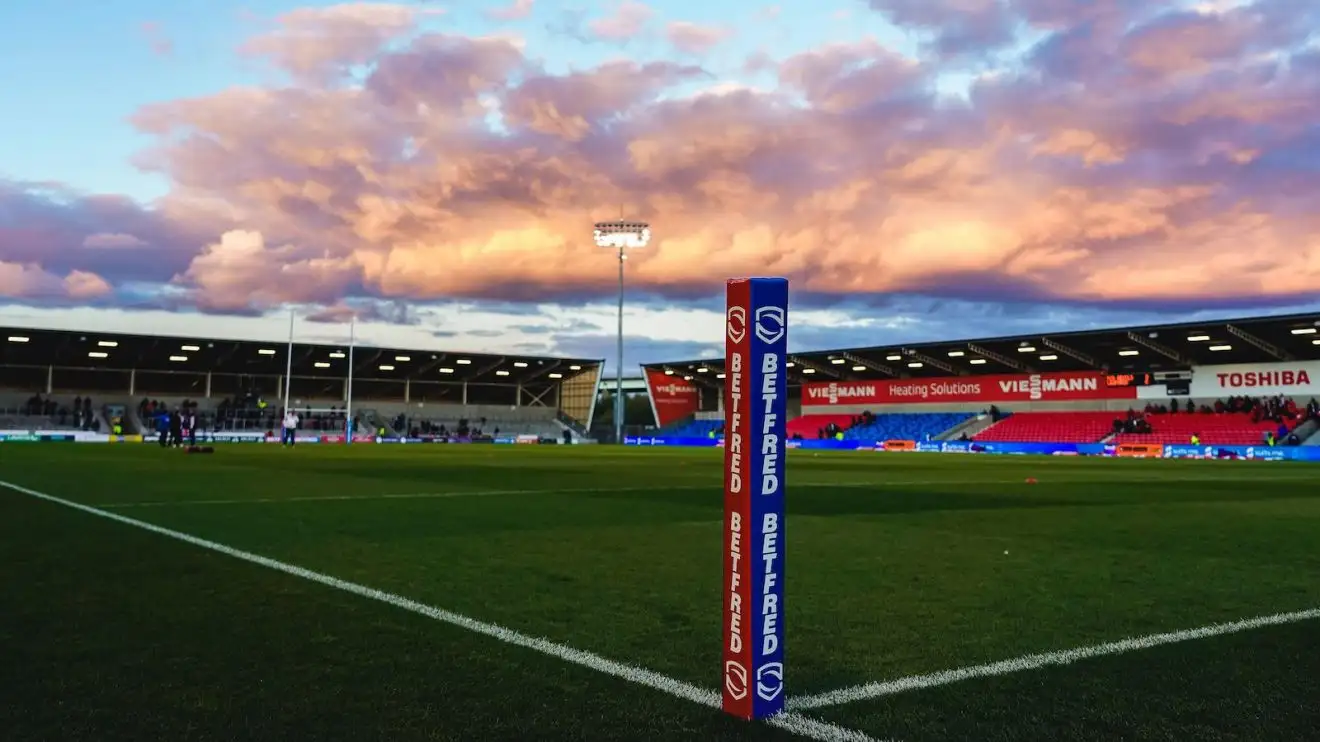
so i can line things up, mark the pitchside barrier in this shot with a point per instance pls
(755, 395)
(1174, 451)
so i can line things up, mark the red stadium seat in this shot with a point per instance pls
(809, 426)
(1051, 427)
(1221, 429)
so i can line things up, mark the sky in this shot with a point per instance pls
(919, 169)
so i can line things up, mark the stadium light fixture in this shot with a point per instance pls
(1304, 331)
(191, 348)
(501, 373)
(916, 364)
(574, 368)
(859, 368)
(956, 354)
(1221, 347)
(808, 370)
(790, 364)
(446, 370)
(977, 361)
(687, 378)
(1129, 352)
(108, 344)
(98, 354)
(621, 236)
(703, 370)
(322, 364)
(179, 359)
(556, 376)
(894, 358)
(1315, 342)
(838, 361)
(387, 367)
(1050, 357)
(1197, 338)
(519, 364)
(336, 354)
(403, 359)
(719, 376)
(266, 352)
(17, 339)
(463, 362)
(669, 372)
(1027, 349)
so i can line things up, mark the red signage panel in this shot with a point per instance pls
(1052, 387)
(674, 398)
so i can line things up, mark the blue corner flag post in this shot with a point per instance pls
(755, 392)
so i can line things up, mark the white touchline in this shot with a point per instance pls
(1037, 661)
(790, 722)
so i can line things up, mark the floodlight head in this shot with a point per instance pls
(622, 234)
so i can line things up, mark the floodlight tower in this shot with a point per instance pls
(621, 235)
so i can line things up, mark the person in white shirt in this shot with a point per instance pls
(290, 428)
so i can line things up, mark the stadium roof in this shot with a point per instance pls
(98, 350)
(1150, 348)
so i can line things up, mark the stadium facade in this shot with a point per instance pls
(1074, 387)
(521, 395)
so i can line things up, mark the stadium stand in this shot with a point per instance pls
(692, 429)
(1223, 429)
(915, 426)
(40, 412)
(818, 426)
(1051, 427)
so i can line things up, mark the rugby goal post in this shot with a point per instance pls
(755, 396)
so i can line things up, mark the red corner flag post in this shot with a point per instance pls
(755, 391)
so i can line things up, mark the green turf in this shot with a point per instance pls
(896, 565)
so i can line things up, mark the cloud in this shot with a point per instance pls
(627, 21)
(28, 281)
(1132, 156)
(514, 11)
(694, 38)
(160, 44)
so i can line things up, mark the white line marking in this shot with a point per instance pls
(791, 722)
(713, 487)
(1038, 661)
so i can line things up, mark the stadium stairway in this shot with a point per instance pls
(1050, 427)
(969, 427)
(1309, 433)
(1219, 429)
(906, 426)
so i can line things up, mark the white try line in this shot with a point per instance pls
(1037, 661)
(790, 722)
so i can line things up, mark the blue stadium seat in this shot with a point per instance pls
(906, 426)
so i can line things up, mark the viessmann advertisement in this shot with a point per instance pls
(674, 398)
(1048, 387)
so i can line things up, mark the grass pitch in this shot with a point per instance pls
(897, 567)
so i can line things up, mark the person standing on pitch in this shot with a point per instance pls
(290, 428)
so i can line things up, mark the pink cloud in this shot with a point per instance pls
(514, 11)
(30, 281)
(694, 38)
(160, 44)
(1126, 162)
(628, 20)
(113, 241)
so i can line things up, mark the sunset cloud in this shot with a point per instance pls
(1135, 153)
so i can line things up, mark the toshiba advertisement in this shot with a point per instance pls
(1052, 387)
(672, 397)
(1294, 378)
